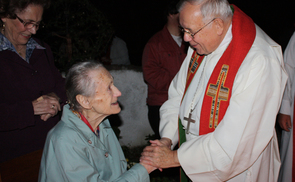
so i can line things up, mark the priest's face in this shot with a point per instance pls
(202, 35)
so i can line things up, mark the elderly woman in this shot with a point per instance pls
(83, 146)
(32, 89)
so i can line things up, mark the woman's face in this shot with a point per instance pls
(15, 31)
(106, 94)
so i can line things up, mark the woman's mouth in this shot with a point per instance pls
(115, 103)
(26, 36)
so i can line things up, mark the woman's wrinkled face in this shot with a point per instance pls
(16, 32)
(106, 94)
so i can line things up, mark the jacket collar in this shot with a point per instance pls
(5, 44)
(70, 119)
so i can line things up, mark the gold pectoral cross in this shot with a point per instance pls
(189, 121)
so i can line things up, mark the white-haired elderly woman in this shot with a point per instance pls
(83, 146)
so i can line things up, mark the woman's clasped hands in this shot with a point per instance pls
(46, 106)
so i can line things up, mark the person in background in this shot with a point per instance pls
(117, 53)
(162, 57)
(83, 146)
(286, 116)
(32, 90)
(223, 102)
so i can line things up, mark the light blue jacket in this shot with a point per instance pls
(73, 152)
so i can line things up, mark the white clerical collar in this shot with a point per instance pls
(226, 40)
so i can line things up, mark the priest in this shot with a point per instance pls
(224, 100)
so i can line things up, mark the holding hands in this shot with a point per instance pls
(46, 106)
(159, 154)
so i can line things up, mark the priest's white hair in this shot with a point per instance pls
(211, 8)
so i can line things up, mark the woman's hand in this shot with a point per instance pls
(148, 167)
(46, 106)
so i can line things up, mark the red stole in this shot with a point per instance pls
(219, 87)
(194, 65)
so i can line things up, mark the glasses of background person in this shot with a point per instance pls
(29, 24)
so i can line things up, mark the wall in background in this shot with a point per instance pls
(132, 120)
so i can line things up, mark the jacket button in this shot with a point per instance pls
(33, 73)
(89, 141)
(106, 154)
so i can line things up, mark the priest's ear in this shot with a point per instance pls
(220, 26)
(83, 101)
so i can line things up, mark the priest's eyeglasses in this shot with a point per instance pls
(193, 34)
(28, 25)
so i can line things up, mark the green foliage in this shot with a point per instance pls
(76, 31)
(132, 153)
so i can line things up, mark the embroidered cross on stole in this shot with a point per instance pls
(219, 87)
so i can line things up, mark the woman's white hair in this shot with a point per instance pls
(79, 82)
(211, 8)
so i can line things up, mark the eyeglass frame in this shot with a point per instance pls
(193, 34)
(28, 23)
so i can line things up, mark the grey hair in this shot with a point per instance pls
(79, 82)
(211, 8)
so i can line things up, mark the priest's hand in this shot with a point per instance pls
(165, 141)
(159, 155)
(285, 122)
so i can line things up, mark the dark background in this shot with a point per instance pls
(135, 21)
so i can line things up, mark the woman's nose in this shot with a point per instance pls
(33, 30)
(117, 92)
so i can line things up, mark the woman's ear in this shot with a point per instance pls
(3, 20)
(83, 101)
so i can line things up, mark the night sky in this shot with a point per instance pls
(135, 21)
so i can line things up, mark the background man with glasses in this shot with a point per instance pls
(223, 102)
